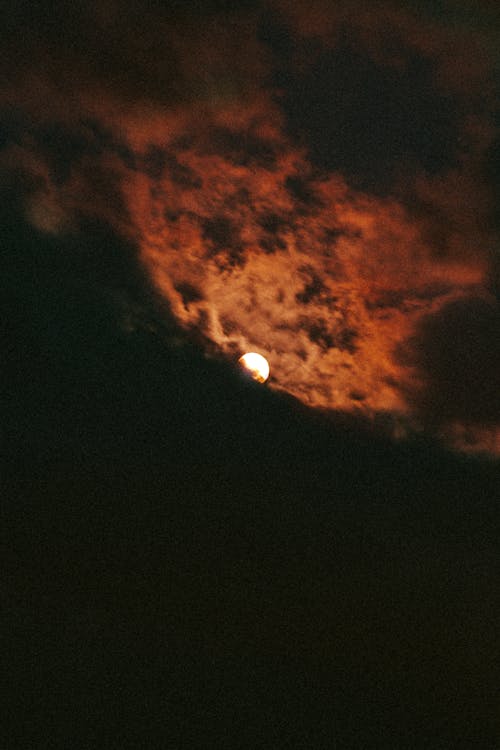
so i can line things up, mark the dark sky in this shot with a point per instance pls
(195, 560)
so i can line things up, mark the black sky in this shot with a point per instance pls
(196, 561)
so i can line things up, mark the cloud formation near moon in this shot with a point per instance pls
(346, 241)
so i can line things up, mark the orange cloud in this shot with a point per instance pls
(263, 253)
(188, 149)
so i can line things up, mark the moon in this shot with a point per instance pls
(255, 365)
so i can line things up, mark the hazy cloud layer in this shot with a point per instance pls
(313, 184)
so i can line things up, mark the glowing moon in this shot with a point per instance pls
(256, 365)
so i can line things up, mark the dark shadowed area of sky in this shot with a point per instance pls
(361, 118)
(194, 560)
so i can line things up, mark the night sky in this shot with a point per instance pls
(194, 559)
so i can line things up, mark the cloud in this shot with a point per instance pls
(324, 280)
(125, 62)
(296, 182)
(455, 354)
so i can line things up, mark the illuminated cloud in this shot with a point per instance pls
(297, 183)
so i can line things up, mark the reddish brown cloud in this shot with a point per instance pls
(322, 280)
(260, 234)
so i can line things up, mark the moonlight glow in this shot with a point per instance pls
(256, 365)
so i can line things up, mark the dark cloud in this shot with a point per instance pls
(490, 168)
(188, 292)
(399, 299)
(222, 237)
(156, 162)
(121, 63)
(331, 335)
(368, 120)
(315, 290)
(78, 43)
(243, 148)
(273, 225)
(457, 355)
(302, 190)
